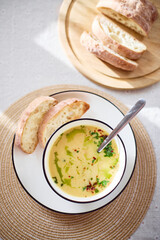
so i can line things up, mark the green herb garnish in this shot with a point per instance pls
(96, 135)
(59, 170)
(67, 181)
(108, 150)
(96, 190)
(55, 179)
(68, 152)
(103, 183)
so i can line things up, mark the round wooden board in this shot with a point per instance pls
(77, 16)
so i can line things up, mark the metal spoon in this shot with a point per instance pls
(127, 118)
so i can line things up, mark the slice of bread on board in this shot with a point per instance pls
(116, 38)
(63, 112)
(106, 54)
(29, 122)
(138, 15)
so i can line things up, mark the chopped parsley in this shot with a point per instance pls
(108, 150)
(55, 179)
(94, 134)
(103, 183)
(93, 160)
(96, 190)
(97, 179)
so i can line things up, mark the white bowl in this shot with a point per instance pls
(118, 177)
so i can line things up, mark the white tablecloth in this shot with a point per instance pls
(31, 57)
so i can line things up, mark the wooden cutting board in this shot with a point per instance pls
(76, 16)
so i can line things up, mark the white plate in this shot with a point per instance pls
(28, 167)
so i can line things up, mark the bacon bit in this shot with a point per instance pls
(69, 176)
(94, 158)
(91, 164)
(100, 130)
(91, 187)
(75, 150)
(90, 184)
(104, 136)
(112, 151)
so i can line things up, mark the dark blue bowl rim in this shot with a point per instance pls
(45, 149)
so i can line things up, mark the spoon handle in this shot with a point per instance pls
(127, 118)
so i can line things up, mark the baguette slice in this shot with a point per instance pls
(63, 112)
(138, 15)
(106, 54)
(28, 125)
(116, 38)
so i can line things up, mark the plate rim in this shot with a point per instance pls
(13, 162)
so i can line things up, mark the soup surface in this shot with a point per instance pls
(75, 165)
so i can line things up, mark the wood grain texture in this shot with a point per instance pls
(77, 16)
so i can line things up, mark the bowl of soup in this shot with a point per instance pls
(75, 170)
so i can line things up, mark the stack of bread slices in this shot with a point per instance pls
(112, 44)
(42, 117)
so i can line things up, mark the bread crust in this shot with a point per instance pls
(25, 116)
(141, 12)
(96, 47)
(53, 112)
(99, 32)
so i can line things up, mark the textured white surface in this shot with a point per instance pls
(31, 57)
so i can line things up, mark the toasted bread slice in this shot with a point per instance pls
(138, 15)
(106, 54)
(29, 122)
(116, 38)
(63, 112)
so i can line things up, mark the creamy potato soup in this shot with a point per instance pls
(75, 165)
